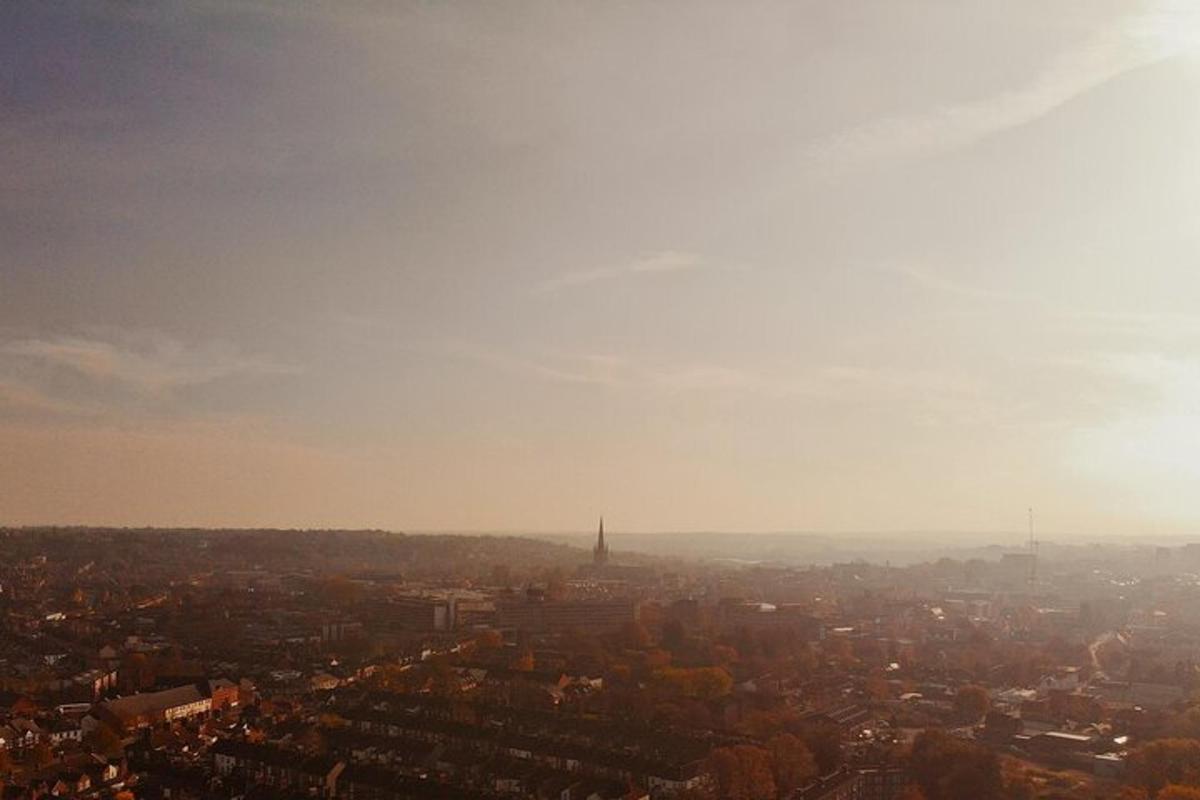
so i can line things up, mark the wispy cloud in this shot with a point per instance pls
(1098, 371)
(1175, 380)
(938, 283)
(597, 370)
(665, 378)
(603, 369)
(119, 377)
(19, 397)
(1161, 326)
(145, 362)
(652, 264)
(1171, 28)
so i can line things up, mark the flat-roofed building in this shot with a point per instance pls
(533, 614)
(422, 612)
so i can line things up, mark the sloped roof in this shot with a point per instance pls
(150, 703)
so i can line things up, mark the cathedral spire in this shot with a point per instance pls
(600, 551)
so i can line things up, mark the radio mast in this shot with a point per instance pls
(1033, 550)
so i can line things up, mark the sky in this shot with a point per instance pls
(872, 265)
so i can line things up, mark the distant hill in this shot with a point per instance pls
(320, 551)
(805, 548)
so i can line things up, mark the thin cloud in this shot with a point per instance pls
(1162, 326)
(814, 383)
(1148, 39)
(22, 398)
(942, 285)
(146, 363)
(597, 370)
(653, 264)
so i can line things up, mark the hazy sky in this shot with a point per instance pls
(854, 265)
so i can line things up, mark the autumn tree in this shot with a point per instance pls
(556, 584)
(331, 721)
(339, 590)
(635, 636)
(824, 741)
(41, 755)
(656, 659)
(792, 763)
(756, 768)
(700, 683)
(763, 724)
(722, 769)
(724, 655)
(1164, 761)
(489, 640)
(948, 768)
(877, 687)
(443, 681)
(104, 740)
(1175, 791)
(673, 634)
(501, 575)
(838, 650)
(742, 772)
(1129, 793)
(523, 662)
(136, 672)
(313, 740)
(971, 703)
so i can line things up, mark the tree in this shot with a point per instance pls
(656, 659)
(763, 724)
(742, 772)
(42, 755)
(792, 763)
(313, 740)
(340, 590)
(1130, 793)
(825, 743)
(443, 680)
(947, 768)
(556, 584)
(104, 740)
(635, 636)
(971, 702)
(331, 721)
(756, 767)
(673, 635)
(877, 688)
(709, 683)
(838, 649)
(524, 662)
(501, 575)
(722, 769)
(1164, 761)
(700, 683)
(136, 672)
(489, 640)
(1176, 792)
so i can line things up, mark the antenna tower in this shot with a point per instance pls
(1033, 551)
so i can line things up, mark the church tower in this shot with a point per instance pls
(600, 551)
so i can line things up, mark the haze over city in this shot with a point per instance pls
(855, 266)
(598, 400)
